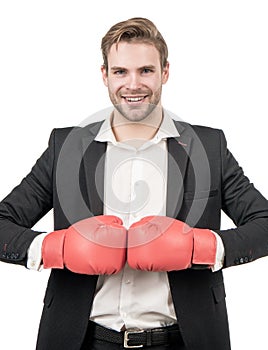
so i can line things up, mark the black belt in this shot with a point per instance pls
(137, 338)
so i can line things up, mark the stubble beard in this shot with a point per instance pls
(136, 113)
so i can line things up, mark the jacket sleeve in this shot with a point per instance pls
(24, 206)
(248, 209)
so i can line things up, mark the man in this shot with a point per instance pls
(137, 250)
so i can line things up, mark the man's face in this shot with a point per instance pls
(134, 79)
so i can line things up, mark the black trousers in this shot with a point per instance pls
(102, 345)
(94, 344)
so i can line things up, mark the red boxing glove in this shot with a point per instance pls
(160, 243)
(93, 246)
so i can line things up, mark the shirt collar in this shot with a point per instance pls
(167, 129)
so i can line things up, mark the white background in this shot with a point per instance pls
(50, 77)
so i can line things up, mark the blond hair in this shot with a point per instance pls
(135, 29)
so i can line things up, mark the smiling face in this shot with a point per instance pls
(134, 79)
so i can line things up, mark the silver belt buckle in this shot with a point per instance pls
(126, 338)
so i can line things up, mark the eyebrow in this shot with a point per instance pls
(117, 68)
(150, 66)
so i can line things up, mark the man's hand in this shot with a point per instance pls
(160, 243)
(93, 246)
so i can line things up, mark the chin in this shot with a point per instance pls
(135, 114)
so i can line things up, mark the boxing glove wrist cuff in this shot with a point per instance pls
(52, 250)
(205, 247)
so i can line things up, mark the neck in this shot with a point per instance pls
(125, 130)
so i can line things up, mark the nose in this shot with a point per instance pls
(133, 81)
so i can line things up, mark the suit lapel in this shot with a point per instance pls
(94, 161)
(93, 170)
(178, 157)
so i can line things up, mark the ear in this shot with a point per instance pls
(165, 73)
(104, 75)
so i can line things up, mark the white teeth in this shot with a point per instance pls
(134, 99)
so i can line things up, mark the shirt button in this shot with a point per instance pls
(127, 282)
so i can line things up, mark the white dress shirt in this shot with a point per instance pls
(135, 185)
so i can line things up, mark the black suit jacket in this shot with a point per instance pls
(203, 179)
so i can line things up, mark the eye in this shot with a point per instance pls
(147, 70)
(119, 72)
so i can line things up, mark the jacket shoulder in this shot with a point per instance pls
(59, 135)
(207, 135)
(199, 129)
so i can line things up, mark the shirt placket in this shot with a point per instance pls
(128, 277)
